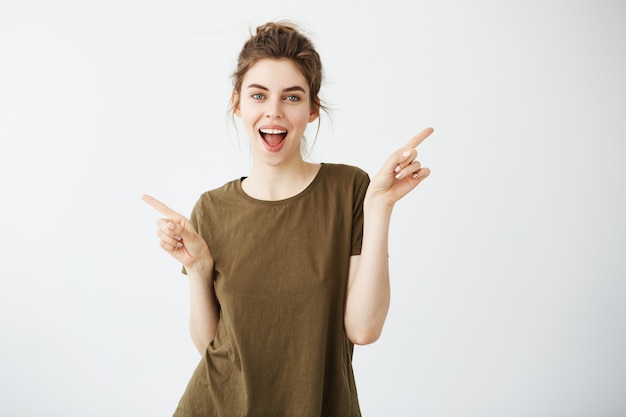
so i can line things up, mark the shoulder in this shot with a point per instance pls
(348, 172)
(228, 192)
(229, 188)
(345, 180)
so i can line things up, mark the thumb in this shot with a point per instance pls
(188, 231)
(180, 226)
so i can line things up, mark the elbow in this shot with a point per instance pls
(364, 332)
(201, 343)
(365, 337)
(201, 339)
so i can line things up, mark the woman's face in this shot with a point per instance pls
(275, 108)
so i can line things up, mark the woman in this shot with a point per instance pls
(287, 267)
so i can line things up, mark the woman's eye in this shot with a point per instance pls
(257, 96)
(292, 98)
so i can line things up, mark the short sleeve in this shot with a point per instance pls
(362, 181)
(193, 219)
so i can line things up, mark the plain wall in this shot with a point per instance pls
(508, 264)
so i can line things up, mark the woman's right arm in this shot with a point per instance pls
(203, 311)
(180, 239)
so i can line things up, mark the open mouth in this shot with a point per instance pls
(273, 137)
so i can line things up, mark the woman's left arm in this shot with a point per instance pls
(367, 298)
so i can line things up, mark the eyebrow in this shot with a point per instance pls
(294, 88)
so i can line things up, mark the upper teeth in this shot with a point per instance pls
(273, 131)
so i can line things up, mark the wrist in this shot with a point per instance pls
(200, 268)
(377, 204)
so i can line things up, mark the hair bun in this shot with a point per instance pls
(283, 25)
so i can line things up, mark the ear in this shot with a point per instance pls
(315, 110)
(234, 98)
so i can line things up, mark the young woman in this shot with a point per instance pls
(287, 267)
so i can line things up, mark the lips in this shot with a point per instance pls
(273, 138)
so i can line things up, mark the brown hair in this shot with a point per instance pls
(280, 40)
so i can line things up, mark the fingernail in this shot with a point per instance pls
(399, 176)
(397, 169)
(179, 245)
(406, 153)
(170, 226)
(177, 237)
(415, 175)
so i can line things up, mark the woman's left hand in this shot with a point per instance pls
(400, 173)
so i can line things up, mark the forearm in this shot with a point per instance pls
(203, 311)
(368, 293)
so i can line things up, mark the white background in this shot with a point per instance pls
(508, 263)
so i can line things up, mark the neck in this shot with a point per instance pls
(267, 182)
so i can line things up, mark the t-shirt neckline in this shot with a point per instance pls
(295, 197)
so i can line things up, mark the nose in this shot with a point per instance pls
(273, 109)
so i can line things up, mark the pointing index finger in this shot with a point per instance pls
(160, 207)
(419, 138)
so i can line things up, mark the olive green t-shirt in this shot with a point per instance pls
(281, 270)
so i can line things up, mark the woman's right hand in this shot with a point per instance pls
(179, 238)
